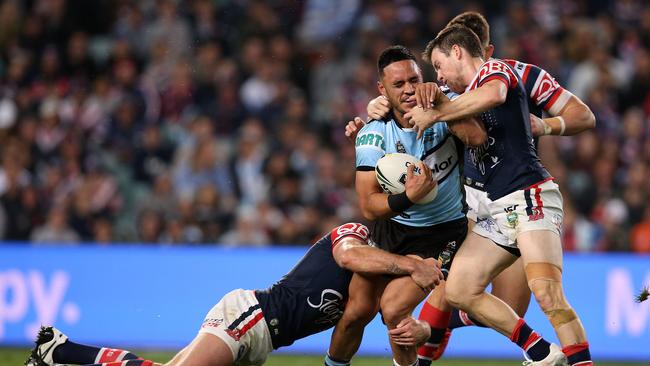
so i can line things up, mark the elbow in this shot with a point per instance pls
(478, 139)
(368, 214)
(589, 118)
(499, 97)
(347, 260)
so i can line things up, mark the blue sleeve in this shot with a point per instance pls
(370, 146)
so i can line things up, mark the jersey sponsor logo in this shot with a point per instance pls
(371, 139)
(330, 306)
(399, 146)
(212, 322)
(442, 160)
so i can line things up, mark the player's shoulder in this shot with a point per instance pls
(350, 229)
(372, 134)
(450, 94)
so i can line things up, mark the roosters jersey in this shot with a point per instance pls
(544, 95)
(508, 160)
(438, 148)
(311, 297)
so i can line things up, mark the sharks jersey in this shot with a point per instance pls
(438, 148)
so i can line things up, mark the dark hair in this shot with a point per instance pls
(454, 35)
(393, 54)
(476, 22)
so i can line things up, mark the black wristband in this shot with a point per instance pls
(399, 202)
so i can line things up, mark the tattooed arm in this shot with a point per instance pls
(355, 255)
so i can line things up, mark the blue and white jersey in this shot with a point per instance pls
(438, 148)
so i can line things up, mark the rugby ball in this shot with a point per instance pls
(391, 174)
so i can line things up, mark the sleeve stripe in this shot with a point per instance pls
(496, 76)
(365, 168)
(356, 235)
(558, 101)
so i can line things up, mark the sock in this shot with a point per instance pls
(329, 361)
(438, 321)
(125, 363)
(79, 354)
(460, 319)
(531, 342)
(416, 363)
(578, 354)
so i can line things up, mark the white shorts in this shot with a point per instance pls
(238, 320)
(538, 207)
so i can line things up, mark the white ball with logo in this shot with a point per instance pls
(391, 173)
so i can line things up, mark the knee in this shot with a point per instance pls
(359, 313)
(457, 296)
(394, 311)
(548, 293)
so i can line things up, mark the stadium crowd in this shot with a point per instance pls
(217, 121)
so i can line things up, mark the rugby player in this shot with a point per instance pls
(245, 326)
(568, 115)
(525, 205)
(432, 230)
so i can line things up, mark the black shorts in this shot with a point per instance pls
(439, 241)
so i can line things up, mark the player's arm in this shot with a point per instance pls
(489, 95)
(470, 131)
(375, 204)
(574, 117)
(354, 254)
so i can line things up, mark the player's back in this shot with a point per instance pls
(308, 299)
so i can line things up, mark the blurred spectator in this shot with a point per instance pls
(221, 121)
(55, 229)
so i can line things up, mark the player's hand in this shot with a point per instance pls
(427, 274)
(418, 185)
(410, 332)
(378, 108)
(538, 127)
(421, 119)
(426, 94)
(352, 129)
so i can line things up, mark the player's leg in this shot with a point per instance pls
(538, 239)
(54, 347)
(436, 312)
(361, 308)
(400, 297)
(477, 262)
(542, 258)
(510, 286)
(206, 349)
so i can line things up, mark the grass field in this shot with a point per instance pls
(16, 357)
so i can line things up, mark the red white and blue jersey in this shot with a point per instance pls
(545, 95)
(508, 160)
(311, 297)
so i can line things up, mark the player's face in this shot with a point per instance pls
(448, 68)
(398, 84)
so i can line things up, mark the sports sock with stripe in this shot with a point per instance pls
(81, 354)
(532, 343)
(329, 361)
(460, 319)
(578, 354)
(438, 321)
(125, 363)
